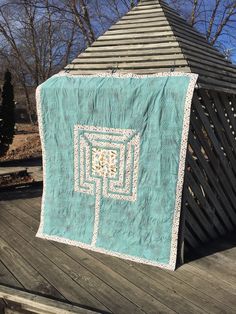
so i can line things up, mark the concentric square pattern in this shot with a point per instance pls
(106, 164)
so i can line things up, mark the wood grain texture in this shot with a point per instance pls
(118, 286)
(139, 39)
(25, 301)
(141, 71)
(55, 276)
(210, 195)
(69, 266)
(7, 278)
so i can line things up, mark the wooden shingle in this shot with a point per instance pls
(153, 38)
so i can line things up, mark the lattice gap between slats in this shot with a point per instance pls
(209, 199)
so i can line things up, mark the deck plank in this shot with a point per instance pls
(29, 278)
(166, 294)
(212, 288)
(108, 284)
(31, 303)
(195, 300)
(182, 286)
(67, 287)
(223, 271)
(77, 272)
(133, 293)
(7, 278)
(30, 206)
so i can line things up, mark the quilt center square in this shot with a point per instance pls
(104, 162)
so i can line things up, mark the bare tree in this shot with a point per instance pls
(83, 19)
(39, 37)
(35, 42)
(216, 19)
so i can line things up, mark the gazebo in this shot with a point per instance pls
(38, 276)
(153, 38)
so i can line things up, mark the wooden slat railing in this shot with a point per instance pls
(209, 197)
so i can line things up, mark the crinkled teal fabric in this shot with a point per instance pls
(97, 131)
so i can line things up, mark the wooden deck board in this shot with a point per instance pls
(72, 268)
(31, 303)
(182, 286)
(107, 284)
(7, 278)
(55, 276)
(103, 272)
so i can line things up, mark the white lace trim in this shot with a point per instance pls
(101, 250)
(41, 133)
(183, 149)
(181, 171)
(121, 75)
(122, 188)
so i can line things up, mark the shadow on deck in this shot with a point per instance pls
(107, 284)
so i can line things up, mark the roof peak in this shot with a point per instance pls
(153, 38)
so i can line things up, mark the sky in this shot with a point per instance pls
(227, 41)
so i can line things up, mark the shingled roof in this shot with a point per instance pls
(153, 38)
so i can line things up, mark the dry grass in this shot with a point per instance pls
(26, 143)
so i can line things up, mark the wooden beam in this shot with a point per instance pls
(139, 29)
(142, 20)
(130, 17)
(126, 59)
(139, 71)
(137, 46)
(128, 36)
(132, 41)
(39, 304)
(159, 23)
(133, 65)
(158, 52)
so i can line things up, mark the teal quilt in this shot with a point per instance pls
(114, 150)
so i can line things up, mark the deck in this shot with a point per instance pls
(106, 284)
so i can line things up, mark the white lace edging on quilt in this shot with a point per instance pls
(101, 250)
(181, 171)
(179, 187)
(40, 124)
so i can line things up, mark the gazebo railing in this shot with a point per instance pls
(209, 197)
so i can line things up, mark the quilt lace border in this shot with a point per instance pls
(179, 187)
